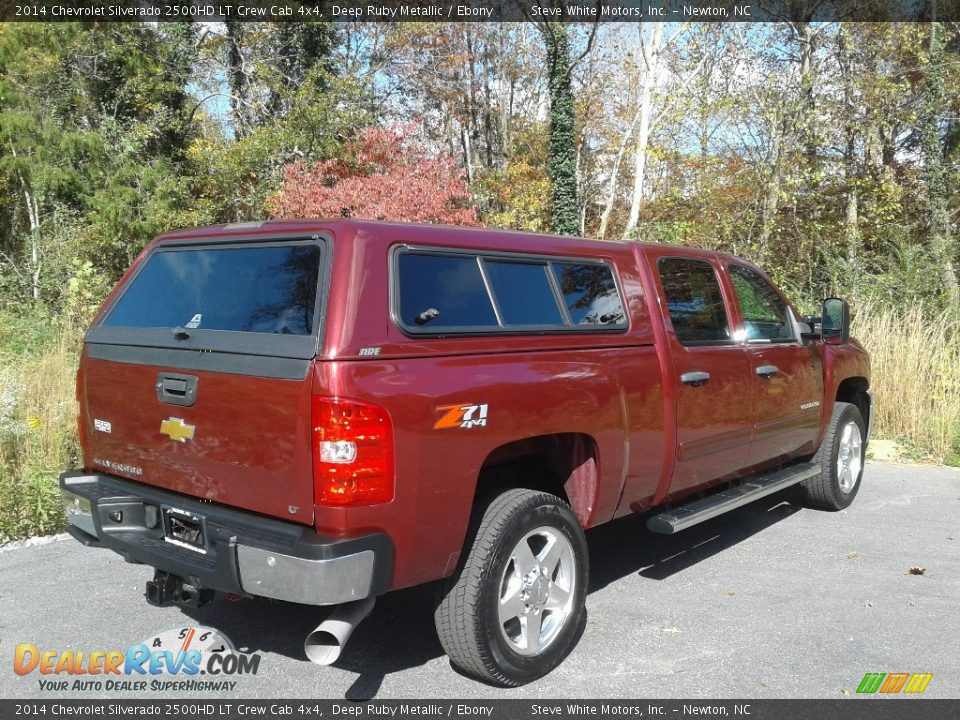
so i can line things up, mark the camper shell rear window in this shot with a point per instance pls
(247, 297)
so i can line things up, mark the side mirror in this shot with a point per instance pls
(835, 322)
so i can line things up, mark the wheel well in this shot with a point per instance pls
(854, 390)
(564, 464)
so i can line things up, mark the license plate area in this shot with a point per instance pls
(184, 529)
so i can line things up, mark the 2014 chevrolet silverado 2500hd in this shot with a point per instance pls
(324, 411)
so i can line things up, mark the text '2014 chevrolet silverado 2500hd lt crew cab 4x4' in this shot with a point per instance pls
(324, 411)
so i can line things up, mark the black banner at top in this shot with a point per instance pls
(583, 11)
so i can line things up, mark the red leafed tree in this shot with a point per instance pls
(381, 176)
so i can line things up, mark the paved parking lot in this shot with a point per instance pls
(770, 601)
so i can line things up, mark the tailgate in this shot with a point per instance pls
(195, 379)
(245, 441)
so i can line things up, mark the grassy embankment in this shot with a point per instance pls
(916, 380)
(38, 411)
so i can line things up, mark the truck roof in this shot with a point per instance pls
(425, 233)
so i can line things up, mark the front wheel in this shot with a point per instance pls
(841, 458)
(514, 610)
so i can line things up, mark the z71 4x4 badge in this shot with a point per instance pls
(466, 416)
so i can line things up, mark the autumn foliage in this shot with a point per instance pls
(381, 175)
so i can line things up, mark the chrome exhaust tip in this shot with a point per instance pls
(324, 645)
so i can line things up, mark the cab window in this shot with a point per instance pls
(766, 317)
(694, 301)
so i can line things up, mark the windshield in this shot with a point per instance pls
(266, 289)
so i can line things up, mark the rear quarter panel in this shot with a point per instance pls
(606, 386)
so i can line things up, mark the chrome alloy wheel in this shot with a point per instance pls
(537, 591)
(849, 457)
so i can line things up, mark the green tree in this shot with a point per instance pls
(288, 102)
(94, 123)
(942, 244)
(562, 153)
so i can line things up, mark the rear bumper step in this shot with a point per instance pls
(680, 518)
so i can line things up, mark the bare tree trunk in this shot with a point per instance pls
(505, 90)
(651, 53)
(805, 38)
(487, 69)
(851, 164)
(33, 216)
(584, 201)
(35, 260)
(237, 78)
(33, 211)
(614, 174)
(467, 152)
(771, 198)
(469, 63)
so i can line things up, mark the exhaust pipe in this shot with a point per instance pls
(324, 645)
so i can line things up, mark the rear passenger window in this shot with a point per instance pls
(443, 291)
(451, 292)
(694, 301)
(589, 293)
(523, 293)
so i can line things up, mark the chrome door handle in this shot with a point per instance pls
(767, 371)
(695, 378)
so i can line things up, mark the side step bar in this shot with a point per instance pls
(680, 518)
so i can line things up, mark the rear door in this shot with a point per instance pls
(195, 379)
(711, 374)
(786, 375)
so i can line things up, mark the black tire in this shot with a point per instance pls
(468, 618)
(826, 491)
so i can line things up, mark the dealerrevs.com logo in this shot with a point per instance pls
(188, 659)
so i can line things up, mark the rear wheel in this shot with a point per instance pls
(514, 610)
(841, 459)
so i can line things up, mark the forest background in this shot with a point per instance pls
(827, 153)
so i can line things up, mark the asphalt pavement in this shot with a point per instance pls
(769, 601)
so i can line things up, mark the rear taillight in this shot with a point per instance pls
(352, 453)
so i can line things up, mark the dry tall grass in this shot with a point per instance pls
(37, 432)
(915, 357)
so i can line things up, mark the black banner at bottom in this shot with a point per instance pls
(858, 708)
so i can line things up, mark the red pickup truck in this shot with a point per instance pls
(324, 411)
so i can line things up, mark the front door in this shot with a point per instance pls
(786, 375)
(712, 375)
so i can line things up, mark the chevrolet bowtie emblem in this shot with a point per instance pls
(177, 429)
